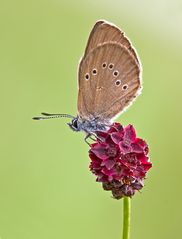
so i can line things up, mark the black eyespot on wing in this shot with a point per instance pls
(118, 82)
(94, 71)
(111, 65)
(87, 76)
(104, 65)
(125, 87)
(115, 73)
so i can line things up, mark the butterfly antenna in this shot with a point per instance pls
(52, 116)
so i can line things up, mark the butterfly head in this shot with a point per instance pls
(74, 124)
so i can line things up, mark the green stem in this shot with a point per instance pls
(126, 217)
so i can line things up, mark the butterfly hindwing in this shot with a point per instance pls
(109, 80)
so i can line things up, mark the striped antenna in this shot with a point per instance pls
(52, 116)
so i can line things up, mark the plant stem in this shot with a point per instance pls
(126, 217)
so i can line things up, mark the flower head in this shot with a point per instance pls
(120, 160)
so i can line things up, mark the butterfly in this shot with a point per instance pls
(109, 79)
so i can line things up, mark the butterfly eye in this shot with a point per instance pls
(118, 82)
(115, 73)
(111, 66)
(125, 87)
(104, 65)
(87, 76)
(94, 72)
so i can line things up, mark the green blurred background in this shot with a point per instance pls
(46, 189)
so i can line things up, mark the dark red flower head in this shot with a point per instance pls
(120, 160)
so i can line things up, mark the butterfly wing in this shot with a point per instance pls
(109, 80)
(107, 32)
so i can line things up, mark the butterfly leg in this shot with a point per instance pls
(92, 138)
(87, 137)
(97, 137)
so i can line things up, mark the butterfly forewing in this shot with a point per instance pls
(109, 80)
(106, 32)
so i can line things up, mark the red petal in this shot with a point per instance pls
(140, 146)
(100, 151)
(130, 134)
(147, 166)
(108, 163)
(142, 158)
(124, 148)
(93, 157)
(117, 136)
(115, 127)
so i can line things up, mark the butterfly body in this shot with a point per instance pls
(89, 126)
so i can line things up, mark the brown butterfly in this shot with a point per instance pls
(110, 75)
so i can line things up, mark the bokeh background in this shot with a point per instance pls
(46, 189)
